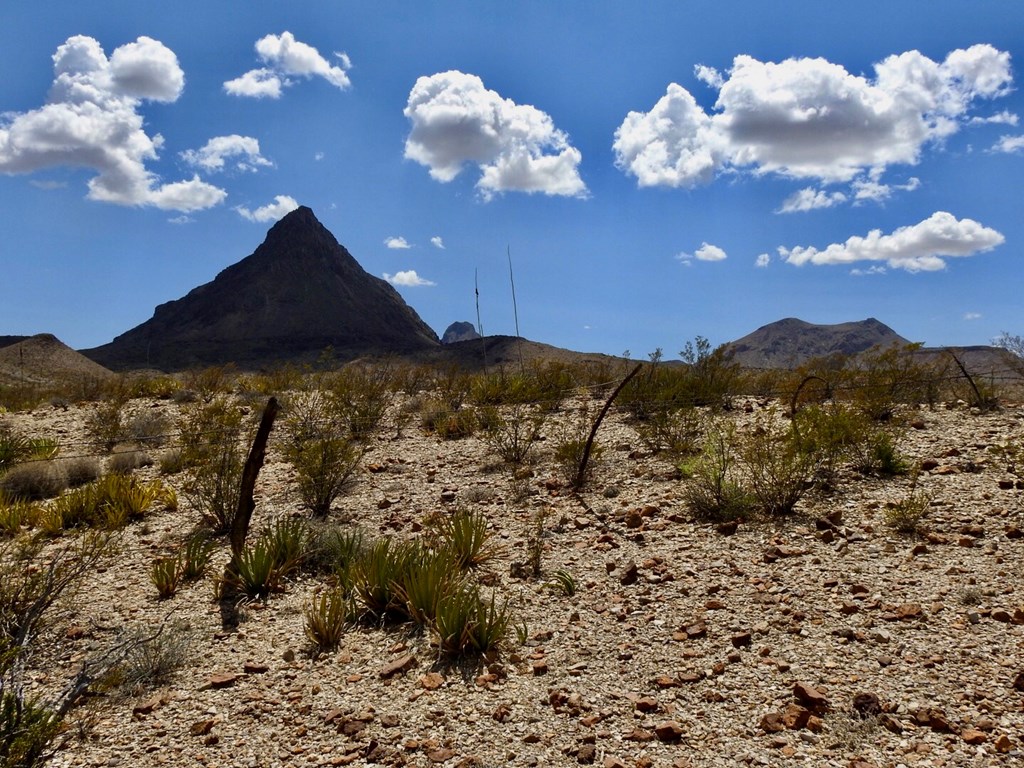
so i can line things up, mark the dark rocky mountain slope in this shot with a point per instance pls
(459, 331)
(299, 293)
(790, 342)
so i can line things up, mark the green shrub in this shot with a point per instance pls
(323, 455)
(151, 658)
(714, 491)
(27, 731)
(359, 398)
(335, 550)
(14, 447)
(215, 484)
(778, 470)
(447, 422)
(16, 515)
(831, 433)
(905, 515)
(288, 541)
(562, 581)
(106, 423)
(512, 434)
(466, 624)
(880, 455)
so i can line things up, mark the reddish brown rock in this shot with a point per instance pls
(795, 717)
(630, 574)
(772, 723)
(401, 664)
(223, 679)
(670, 730)
(431, 681)
(1003, 744)
(810, 697)
(867, 704)
(973, 736)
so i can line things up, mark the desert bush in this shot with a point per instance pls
(447, 422)
(151, 658)
(81, 470)
(27, 731)
(110, 503)
(714, 490)
(322, 453)
(123, 462)
(885, 378)
(207, 426)
(832, 433)
(172, 461)
(879, 454)
(210, 383)
(288, 539)
(149, 428)
(778, 470)
(335, 550)
(106, 423)
(465, 536)
(905, 515)
(674, 431)
(327, 616)
(214, 486)
(34, 480)
(359, 398)
(511, 434)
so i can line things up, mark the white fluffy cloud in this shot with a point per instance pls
(284, 57)
(808, 118)
(282, 205)
(763, 260)
(706, 252)
(437, 242)
(809, 199)
(396, 243)
(916, 248)
(407, 279)
(91, 120)
(457, 121)
(1006, 117)
(1009, 144)
(244, 151)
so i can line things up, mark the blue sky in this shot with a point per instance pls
(658, 170)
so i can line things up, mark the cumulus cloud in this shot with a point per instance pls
(808, 118)
(706, 252)
(396, 243)
(1006, 117)
(244, 151)
(763, 260)
(437, 242)
(809, 199)
(1009, 144)
(872, 270)
(282, 205)
(916, 248)
(456, 121)
(91, 120)
(871, 188)
(285, 58)
(407, 279)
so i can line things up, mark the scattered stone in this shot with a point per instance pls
(795, 717)
(223, 680)
(973, 736)
(202, 727)
(401, 664)
(1003, 744)
(867, 704)
(431, 681)
(630, 574)
(741, 640)
(772, 723)
(810, 697)
(254, 668)
(670, 730)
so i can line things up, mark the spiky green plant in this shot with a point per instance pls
(165, 574)
(195, 556)
(327, 616)
(562, 581)
(429, 578)
(466, 536)
(288, 540)
(255, 572)
(377, 576)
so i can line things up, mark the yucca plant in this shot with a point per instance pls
(195, 556)
(27, 731)
(562, 581)
(466, 536)
(255, 571)
(490, 625)
(165, 574)
(287, 539)
(429, 578)
(327, 616)
(15, 515)
(454, 618)
(377, 576)
(14, 447)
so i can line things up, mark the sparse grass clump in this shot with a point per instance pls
(905, 516)
(511, 434)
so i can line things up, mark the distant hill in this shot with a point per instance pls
(299, 293)
(791, 342)
(459, 331)
(6, 341)
(45, 359)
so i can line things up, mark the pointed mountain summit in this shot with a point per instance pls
(299, 293)
(791, 342)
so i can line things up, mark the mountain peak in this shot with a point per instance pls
(297, 294)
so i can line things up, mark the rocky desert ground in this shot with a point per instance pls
(821, 638)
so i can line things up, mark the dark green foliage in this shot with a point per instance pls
(714, 491)
(288, 539)
(165, 574)
(377, 577)
(326, 617)
(27, 731)
(429, 578)
(195, 556)
(466, 624)
(255, 572)
(778, 470)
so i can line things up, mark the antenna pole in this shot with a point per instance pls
(515, 309)
(479, 325)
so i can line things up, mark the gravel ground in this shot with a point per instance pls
(825, 639)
